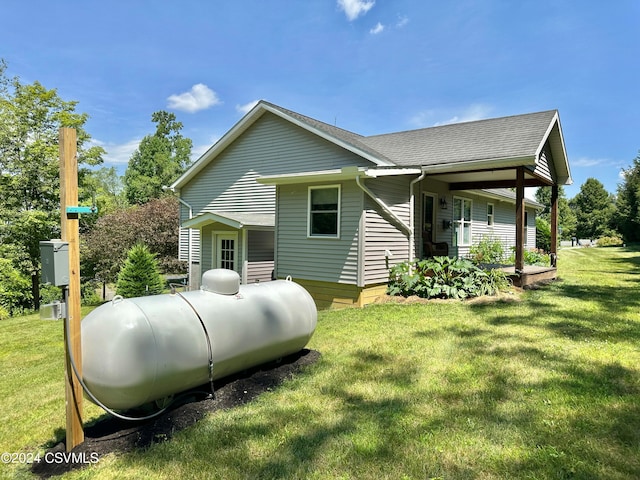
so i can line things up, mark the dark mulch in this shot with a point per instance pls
(110, 434)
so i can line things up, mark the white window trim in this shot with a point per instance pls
(459, 242)
(491, 215)
(321, 187)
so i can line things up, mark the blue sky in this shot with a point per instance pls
(367, 66)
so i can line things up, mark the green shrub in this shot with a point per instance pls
(488, 250)
(444, 277)
(15, 289)
(610, 241)
(140, 275)
(532, 256)
(89, 294)
(4, 314)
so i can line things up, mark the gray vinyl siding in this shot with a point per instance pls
(544, 168)
(309, 258)
(260, 253)
(271, 146)
(382, 233)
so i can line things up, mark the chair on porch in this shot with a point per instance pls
(435, 249)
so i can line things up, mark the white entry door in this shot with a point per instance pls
(226, 250)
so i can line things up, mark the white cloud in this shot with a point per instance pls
(402, 21)
(118, 154)
(377, 29)
(470, 114)
(200, 97)
(244, 109)
(587, 162)
(428, 118)
(354, 8)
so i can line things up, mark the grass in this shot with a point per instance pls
(541, 385)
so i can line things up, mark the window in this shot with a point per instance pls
(490, 217)
(526, 227)
(462, 221)
(324, 211)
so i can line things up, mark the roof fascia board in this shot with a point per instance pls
(209, 217)
(345, 173)
(476, 165)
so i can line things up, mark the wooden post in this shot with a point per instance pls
(520, 220)
(554, 225)
(70, 234)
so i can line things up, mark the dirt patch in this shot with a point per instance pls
(109, 434)
(513, 295)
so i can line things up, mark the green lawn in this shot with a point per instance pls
(541, 385)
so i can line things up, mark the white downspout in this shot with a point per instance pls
(189, 255)
(412, 208)
(189, 246)
(387, 210)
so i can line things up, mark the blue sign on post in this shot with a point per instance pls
(82, 209)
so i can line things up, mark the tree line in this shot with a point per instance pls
(594, 213)
(133, 209)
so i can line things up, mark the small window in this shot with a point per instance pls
(490, 218)
(324, 211)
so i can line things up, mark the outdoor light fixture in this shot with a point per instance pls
(446, 224)
(443, 203)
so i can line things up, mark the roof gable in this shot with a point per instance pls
(504, 142)
(343, 138)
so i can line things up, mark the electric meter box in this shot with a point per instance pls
(54, 255)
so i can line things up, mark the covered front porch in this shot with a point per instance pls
(239, 241)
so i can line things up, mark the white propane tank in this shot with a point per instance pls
(138, 350)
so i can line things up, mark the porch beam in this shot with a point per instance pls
(479, 185)
(554, 225)
(520, 220)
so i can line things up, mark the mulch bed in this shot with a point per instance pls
(109, 434)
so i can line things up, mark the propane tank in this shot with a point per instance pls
(138, 350)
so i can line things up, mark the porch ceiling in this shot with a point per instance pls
(481, 179)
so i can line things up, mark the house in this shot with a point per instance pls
(285, 195)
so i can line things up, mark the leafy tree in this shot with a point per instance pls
(567, 220)
(628, 203)
(156, 224)
(30, 119)
(15, 289)
(140, 275)
(543, 234)
(159, 160)
(594, 208)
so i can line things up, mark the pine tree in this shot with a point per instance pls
(140, 274)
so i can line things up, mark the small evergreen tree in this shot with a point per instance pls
(140, 274)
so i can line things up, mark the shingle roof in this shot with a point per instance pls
(506, 137)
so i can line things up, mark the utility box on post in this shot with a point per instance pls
(54, 255)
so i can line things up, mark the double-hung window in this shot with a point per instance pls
(490, 215)
(462, 208)
(324, 211)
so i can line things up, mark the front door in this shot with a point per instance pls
(428, 227)
(225, 255)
